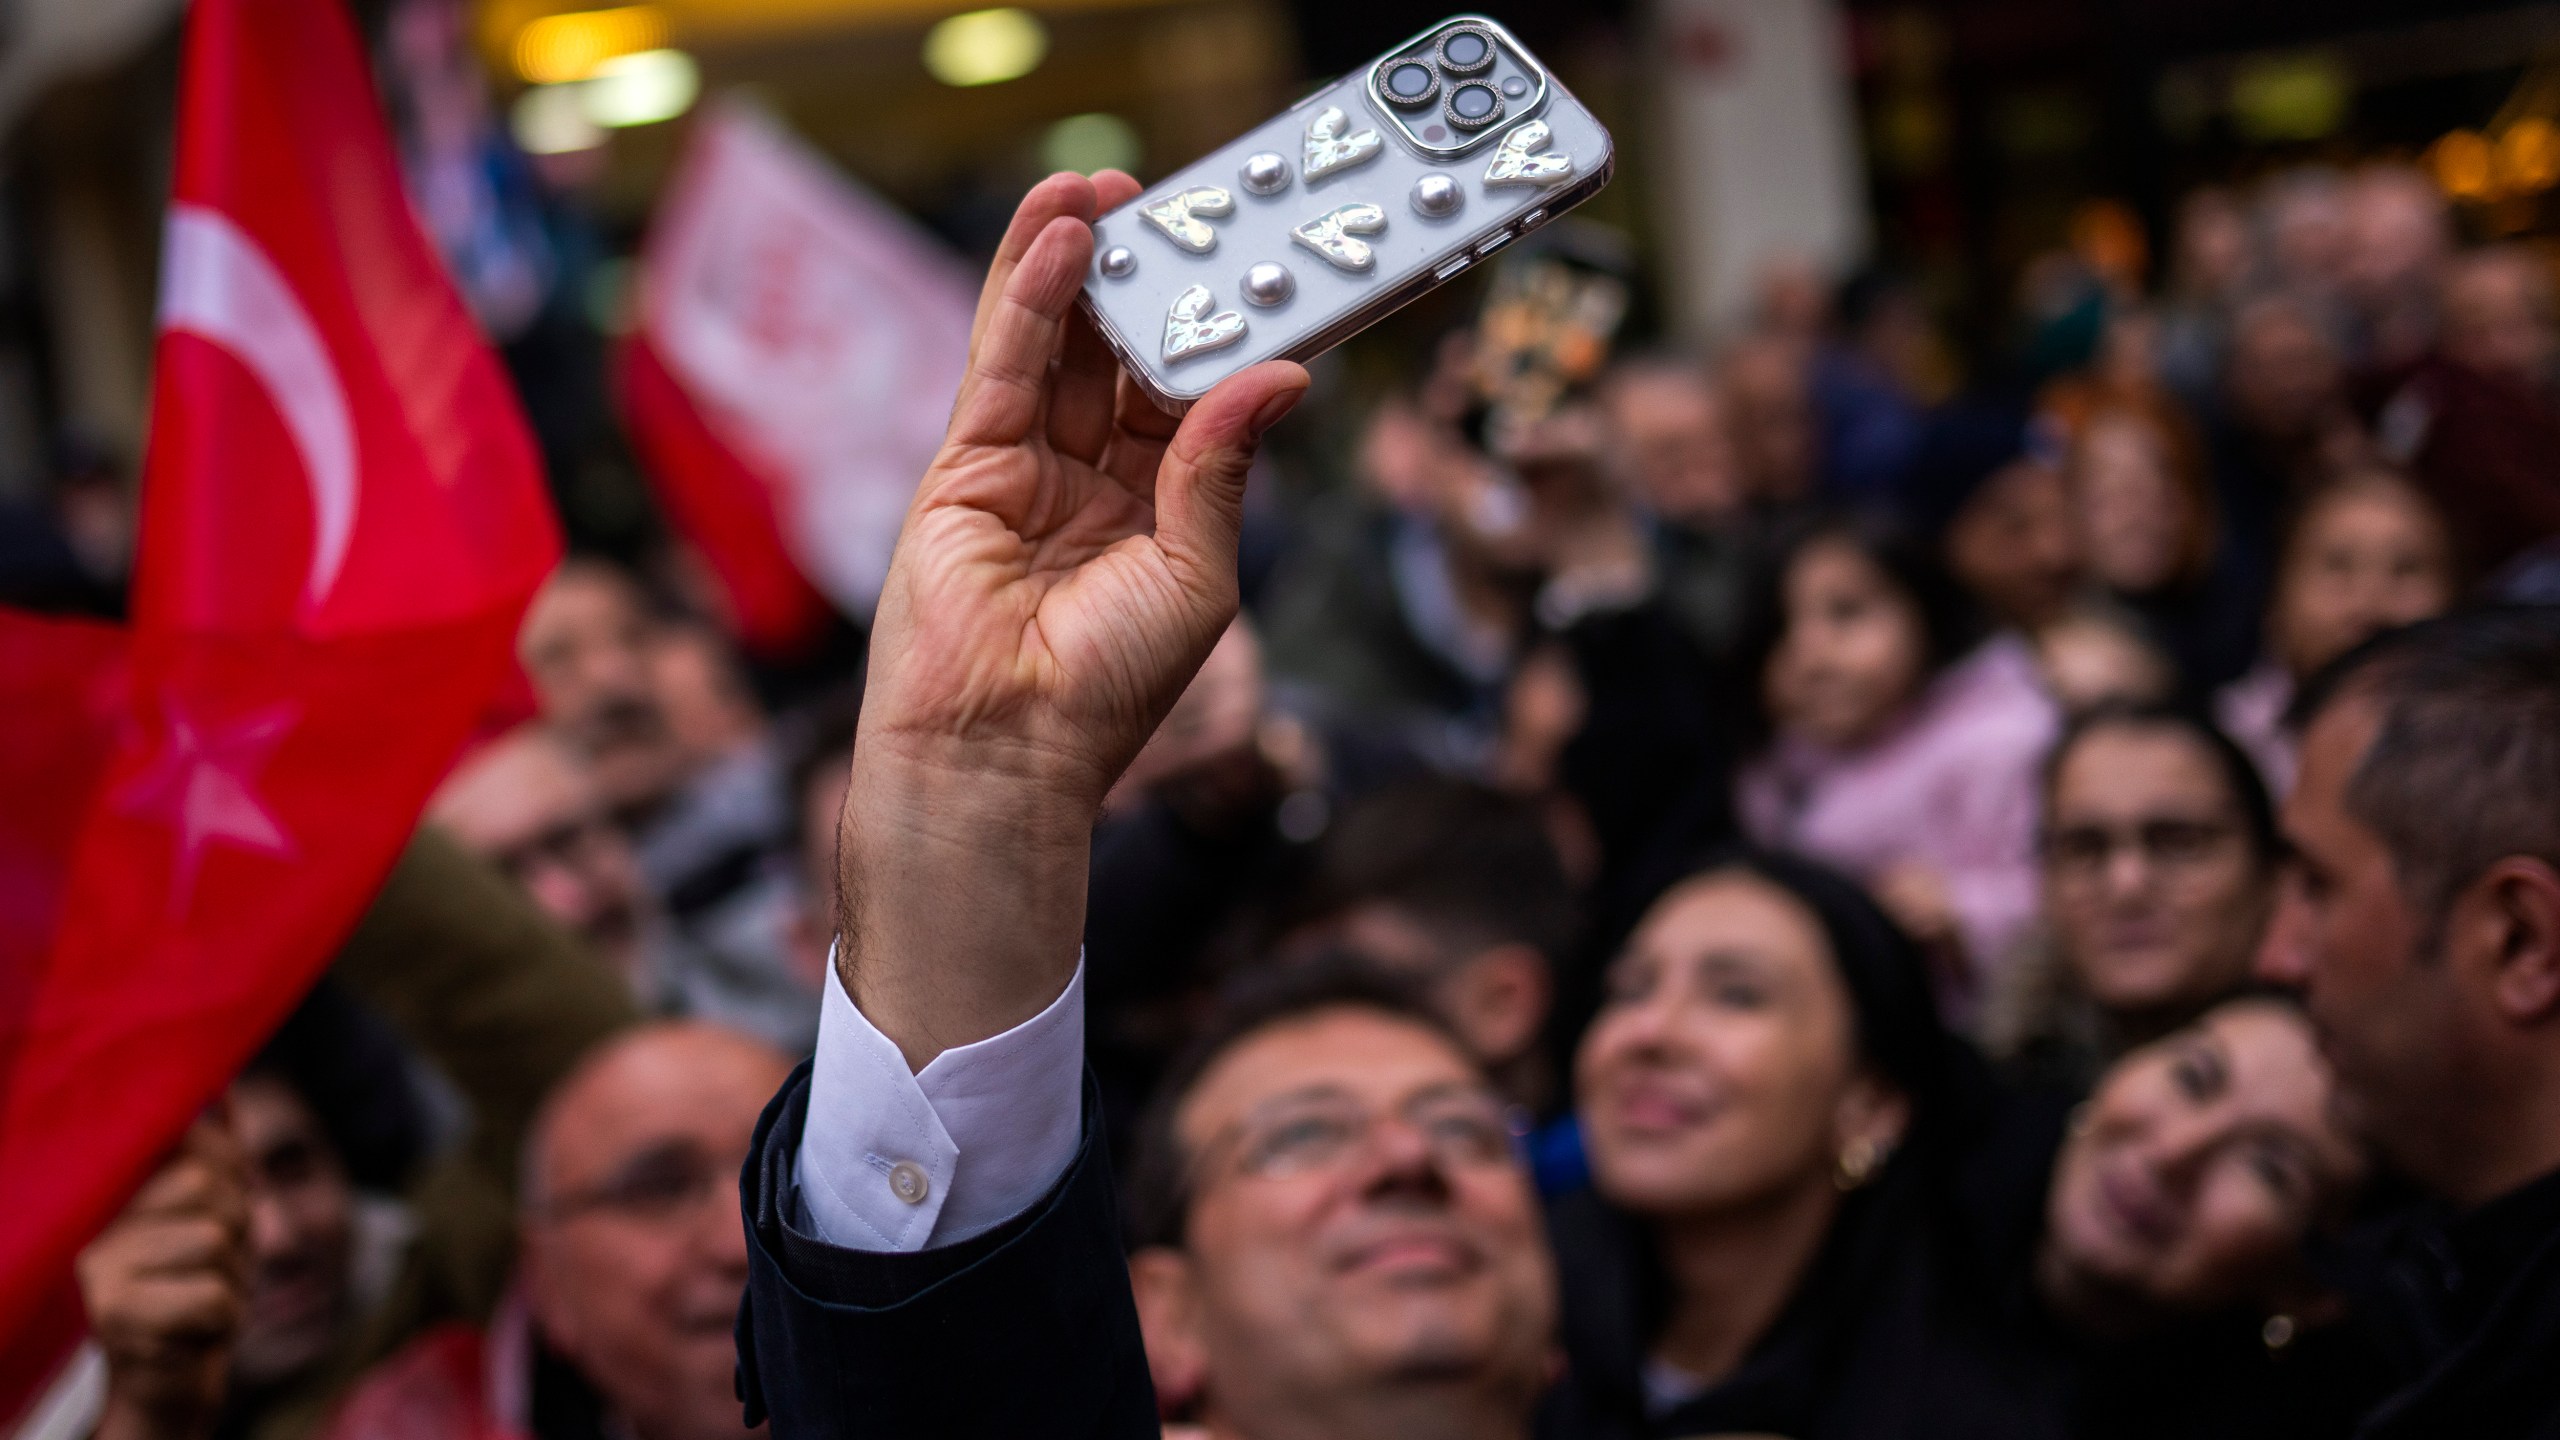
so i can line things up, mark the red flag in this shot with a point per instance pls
(799, 346)
(342, 519)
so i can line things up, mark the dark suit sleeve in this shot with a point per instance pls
(1028, 1330)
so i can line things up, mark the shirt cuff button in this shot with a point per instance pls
(907, 1181)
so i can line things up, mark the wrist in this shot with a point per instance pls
(964, 891)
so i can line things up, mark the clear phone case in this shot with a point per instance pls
(1321, 221)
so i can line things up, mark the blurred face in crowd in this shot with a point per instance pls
(2136, 518)
(301, 1218)
(1854, 650)
(2498, 316)
(2195, 1170)
(1722, 1072)
(2090, 658)
(2015, 545)
(2155, 895)
(1671, 431)
(634, 1254)
(2213, 243)
(587, 646)
(2397, 231)
(2283, 374)
(1494, 996)
(705, 698)
(1771, 417)
(2367, 556)
(1358, 1225)
(529, 806)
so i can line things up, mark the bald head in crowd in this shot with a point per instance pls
(634, 1256)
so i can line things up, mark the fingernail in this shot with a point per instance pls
(1272, 410)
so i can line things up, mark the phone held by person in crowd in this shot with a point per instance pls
(1322, 221)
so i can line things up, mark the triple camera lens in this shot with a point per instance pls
(1460, 52)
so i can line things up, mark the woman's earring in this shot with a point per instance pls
(1857, 1164)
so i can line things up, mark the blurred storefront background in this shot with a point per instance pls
(1763, 144)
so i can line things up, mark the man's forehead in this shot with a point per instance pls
(657, 1088)
(1372, 1055)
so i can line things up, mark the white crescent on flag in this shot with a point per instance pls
(217, 284)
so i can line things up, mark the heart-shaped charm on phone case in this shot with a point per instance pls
(1518, 161)
(1330, 234)
(1178, 216)
(1189, 329)
(1329, 150)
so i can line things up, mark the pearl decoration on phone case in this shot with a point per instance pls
(1329, 150)
(1437, 197)
(1269, 283)
(1119, 262)
(1177, 215)
(1515, 164)
(1331, 234)
(1266, 172)
(1189, 328)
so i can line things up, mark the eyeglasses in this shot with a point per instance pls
(2083, 852)
(1466, 1129)
(663, 1183)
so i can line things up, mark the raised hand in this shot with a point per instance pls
(166, 1288)
(1069, 560)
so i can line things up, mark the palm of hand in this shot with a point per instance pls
(1070, 557)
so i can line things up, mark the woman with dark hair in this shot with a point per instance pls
(1898, 747)
(2171, 1262)
(1775, 1122)
(2159, 859)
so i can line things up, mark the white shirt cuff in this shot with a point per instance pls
(895, 1161)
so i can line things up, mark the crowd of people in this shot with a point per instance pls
(1736, 892)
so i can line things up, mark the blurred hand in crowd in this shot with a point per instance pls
(634, 1255)
(2367, 554)
(2092, 656)
(166, 1287)
(587, 646)
(531, 806)
(2192, 1175)
(1067, 564)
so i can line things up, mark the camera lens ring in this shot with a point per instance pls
(1463, 121)
(1482, 62)
(1400, 99)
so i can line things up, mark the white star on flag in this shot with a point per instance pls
(201, 784)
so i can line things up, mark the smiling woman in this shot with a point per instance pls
(1769, 1103)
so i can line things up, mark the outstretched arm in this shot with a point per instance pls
(1069, 560)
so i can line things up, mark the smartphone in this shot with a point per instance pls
(1321, 221)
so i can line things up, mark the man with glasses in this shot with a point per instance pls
(631, 1264)
(934, 1243)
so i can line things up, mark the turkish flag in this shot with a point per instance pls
(343, 517)
(799, 345)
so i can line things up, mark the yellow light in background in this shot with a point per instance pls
(641, 89)
(984, 47)
(2529, 156)
(2463, 165)
(558, 48)
(2289, 97)
(1086, 143)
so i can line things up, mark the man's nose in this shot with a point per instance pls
(1399, 1159)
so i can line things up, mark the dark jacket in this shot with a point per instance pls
(1884, 1337)
(1028, 1330)
(2471, 1307)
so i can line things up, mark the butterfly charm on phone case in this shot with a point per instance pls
(1190, 330)
(1177, 215)
(1518, 161)
(1330, 234)
(1329, 150)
